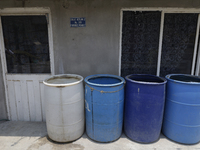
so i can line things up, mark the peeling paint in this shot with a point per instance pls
(87, 106)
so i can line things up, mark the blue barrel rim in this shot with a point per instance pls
(143, 82)
(182, 82)
(104, 75)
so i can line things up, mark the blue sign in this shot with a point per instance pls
(77, 22)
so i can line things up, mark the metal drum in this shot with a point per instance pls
(64, 104)
(144, 107)
(104, 102)
(182, 110)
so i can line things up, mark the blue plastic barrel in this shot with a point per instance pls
(104, 102)
(144, 107)
(181, 121)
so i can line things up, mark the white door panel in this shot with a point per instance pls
(26, 97)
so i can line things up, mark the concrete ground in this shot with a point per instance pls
(33, 135)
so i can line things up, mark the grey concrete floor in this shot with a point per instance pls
(17, 135)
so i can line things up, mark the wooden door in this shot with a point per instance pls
(27, 63)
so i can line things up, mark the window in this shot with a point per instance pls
(140, 41)
(178, 43)
(26, 44)
(158, 42)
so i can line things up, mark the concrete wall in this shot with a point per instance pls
(94, 48)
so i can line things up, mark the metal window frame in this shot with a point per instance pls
(196, 59)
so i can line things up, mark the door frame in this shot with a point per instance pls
(24, 11)
(196, 54)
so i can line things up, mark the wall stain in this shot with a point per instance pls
(107, 3)
(196, 3)
(89, 2)
(80, 2)
(65, 4)
(44, 141)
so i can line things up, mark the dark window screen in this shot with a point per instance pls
(140, 42)
(178, 43)
(26, 44)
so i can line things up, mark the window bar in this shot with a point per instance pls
(160, 43)
(195, 47)
(198, 62)
(120, 41)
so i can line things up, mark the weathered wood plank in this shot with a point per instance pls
(24, 99)
(30, 90)
(19, 102)
(38, 104)
(12, 101)
(42, 100)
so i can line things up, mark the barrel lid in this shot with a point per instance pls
(183, 78)
(63, 80)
